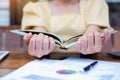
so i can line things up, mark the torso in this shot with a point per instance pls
(64, 9)
(65, 24)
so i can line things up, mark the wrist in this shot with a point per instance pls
(40, 28)
(92, 28)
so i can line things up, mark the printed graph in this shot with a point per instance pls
(66, 71)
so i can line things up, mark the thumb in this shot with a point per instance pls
(27, 38)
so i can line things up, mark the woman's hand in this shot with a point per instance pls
(27, 38)
(39, 45)
(92, 42)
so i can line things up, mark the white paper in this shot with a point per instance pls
(47, 70)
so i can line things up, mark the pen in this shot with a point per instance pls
(88, 67)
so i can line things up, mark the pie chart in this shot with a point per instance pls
(66, 71)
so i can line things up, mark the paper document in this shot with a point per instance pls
(67, 69)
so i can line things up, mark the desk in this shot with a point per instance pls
(14, 60)
(4, 29)
(17, 59)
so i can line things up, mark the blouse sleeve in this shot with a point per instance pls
(97, 13)
(32, 16)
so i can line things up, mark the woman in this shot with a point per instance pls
(66, 18)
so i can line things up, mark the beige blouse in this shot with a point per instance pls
(66, 25)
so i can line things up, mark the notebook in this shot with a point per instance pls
(3, 54)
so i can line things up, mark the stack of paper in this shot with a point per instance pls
(68, 69)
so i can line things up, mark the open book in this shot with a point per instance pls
(70, 43)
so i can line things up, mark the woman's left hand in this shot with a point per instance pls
(92, 42)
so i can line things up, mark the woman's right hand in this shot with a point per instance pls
(27, 38)
(39, 45)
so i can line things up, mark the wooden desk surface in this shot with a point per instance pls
(14, 60)
(17, 59)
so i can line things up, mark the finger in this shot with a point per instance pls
(84, 44)
(98, 42)
(106, 36)
(79, 47)
(51, 44)
(32, 46)
(27, 38)
(39, 45)
(46, 45)
(90, 43)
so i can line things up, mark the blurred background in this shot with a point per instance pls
(10, 18)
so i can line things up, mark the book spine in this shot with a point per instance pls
(71, 45)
